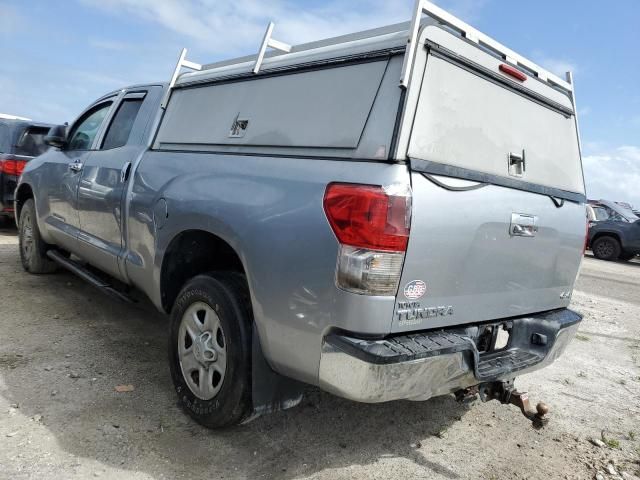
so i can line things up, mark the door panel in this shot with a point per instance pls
(100, 208)
(102, 188)
(62, 221)
(62, 172)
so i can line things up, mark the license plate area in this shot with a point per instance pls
(493, 338)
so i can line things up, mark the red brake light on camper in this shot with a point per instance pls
(513, 72)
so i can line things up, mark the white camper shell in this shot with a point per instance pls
(448, 104)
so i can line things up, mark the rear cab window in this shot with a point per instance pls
(120, 128)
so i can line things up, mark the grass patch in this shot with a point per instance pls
(610, 442)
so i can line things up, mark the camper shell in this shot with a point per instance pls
(342, 98)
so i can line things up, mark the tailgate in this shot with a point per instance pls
(498, 218)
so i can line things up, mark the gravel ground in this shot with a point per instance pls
(64, 347)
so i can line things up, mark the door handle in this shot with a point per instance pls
(76, 166)
(523, 225)
(124, 173)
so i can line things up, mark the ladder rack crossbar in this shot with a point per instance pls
(428, 8)
(182, 63)
(268, 42)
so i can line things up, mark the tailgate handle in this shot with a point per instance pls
(517, 164)
(523, 225)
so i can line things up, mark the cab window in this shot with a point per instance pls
(85, 130)
(120, 128)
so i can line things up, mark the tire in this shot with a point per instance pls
(607, 248)
(33, 250)
(626, 256)
(216, 309)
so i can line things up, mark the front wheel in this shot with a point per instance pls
(606, 248)
(210, 349)
(33, 250)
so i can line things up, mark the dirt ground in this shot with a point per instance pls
(64, 347)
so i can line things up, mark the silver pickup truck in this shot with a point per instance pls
(393, 214)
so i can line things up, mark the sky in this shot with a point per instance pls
(57, 56)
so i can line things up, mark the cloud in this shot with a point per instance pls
(109, 44)
(229, 27)
(11, 21)
(144, 36)
(614, 175)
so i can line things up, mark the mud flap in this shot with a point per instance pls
(270, 391)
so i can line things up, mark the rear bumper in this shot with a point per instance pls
(419, 366)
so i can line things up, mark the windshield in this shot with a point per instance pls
(626, 212)
(606, 210)
(31, 142)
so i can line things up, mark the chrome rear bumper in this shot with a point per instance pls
(419, 366)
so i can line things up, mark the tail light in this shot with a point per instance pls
(12, 166)
(586, 238)
(512, 71)
(372, 225)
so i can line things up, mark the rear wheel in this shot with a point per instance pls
(606, 248)
(210, 349)
(33, 250)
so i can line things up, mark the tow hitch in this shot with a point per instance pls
(506, 393)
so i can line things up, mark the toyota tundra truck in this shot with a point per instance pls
(392, 214)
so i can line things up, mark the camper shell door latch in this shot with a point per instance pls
(517, 164)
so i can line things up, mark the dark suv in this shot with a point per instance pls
(614, 230)
(20, 141)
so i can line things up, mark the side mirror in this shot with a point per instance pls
(57, 136)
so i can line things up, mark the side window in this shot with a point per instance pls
(4, 138)
(601, 213)
(120, 128)
(31, 142)
(86, 129)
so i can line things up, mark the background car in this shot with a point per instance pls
(614, 230)
(20, 140)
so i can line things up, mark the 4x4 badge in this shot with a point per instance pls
(415, 289)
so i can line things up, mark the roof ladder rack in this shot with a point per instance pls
(182, 63)
(473, 35)
(267, 41)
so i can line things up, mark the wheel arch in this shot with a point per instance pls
(599, 235)
(190, 253)
(23, 193)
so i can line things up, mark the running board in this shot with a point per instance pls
(88, 276)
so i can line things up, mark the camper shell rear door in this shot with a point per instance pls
(498, 217)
